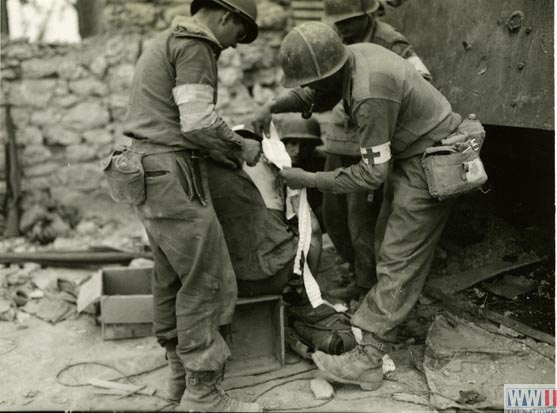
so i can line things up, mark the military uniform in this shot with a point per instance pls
(398, 115)
(261, 243)
(194, 287)
(350, 219)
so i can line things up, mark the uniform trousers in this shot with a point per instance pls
(409, 226)
(194, 287)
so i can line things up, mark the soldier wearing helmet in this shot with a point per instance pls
(301, 137)
(398, 115)
(173, 125)
(356, 23)
(250, 203)
(350, 218)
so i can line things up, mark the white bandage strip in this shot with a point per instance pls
(304, 228)
(276, 153)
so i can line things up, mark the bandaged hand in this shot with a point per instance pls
(251, 152)
(297, 178)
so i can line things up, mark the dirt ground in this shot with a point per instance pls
(47, 366)
(41, 351)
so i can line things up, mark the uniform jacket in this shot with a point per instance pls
(393, 107)
(174, 91)
(342, 136)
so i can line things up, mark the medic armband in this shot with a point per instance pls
(376, 155)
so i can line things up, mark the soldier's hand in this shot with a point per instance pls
(262, 120)
(229, 159)
(297, 178)
(251, 152)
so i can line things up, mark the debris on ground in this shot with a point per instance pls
(51, 309)
(462, 363)
(510, 286)
(388, 366)
(121, 389)
(509, 332)
(321, 389)
(467, 365)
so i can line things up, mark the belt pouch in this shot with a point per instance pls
(125, 176)
(450, 173)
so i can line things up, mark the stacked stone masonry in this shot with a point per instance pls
(67, 102)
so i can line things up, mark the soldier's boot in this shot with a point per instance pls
(362, 366)
(177, 379)
(204, 394)
(352, 292)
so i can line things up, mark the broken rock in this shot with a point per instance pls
(322, 389)
(7, 313)
(388, 365)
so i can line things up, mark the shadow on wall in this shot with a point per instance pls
(520, 166)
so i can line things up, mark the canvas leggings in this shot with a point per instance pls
(409, 226)
(194, 287)
(350, 222)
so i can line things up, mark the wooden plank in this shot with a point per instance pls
(455, 283)
(128, 388)
(450, 302)
(90, 292)
(482, 66)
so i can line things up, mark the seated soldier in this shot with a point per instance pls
(250, 203)
(302, 139)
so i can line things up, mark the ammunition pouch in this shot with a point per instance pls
(125, 176)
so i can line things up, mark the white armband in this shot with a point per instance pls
(376, 155)
(196, 105)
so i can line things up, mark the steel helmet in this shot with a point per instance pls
(244, 9)
(293, 126)
(247, 131)
(311, 51)
(338, 10)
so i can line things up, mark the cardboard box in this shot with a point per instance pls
(126, 302)
(255, 336)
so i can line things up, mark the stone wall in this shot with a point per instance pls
(67, 102)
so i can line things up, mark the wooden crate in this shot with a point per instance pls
(255, 337)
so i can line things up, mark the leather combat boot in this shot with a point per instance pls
(177, 379)
(362, 366)
(352, 292)
(204, 394)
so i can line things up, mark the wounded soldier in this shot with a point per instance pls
(250, 203)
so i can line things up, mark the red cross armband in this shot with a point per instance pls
(376, 155)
